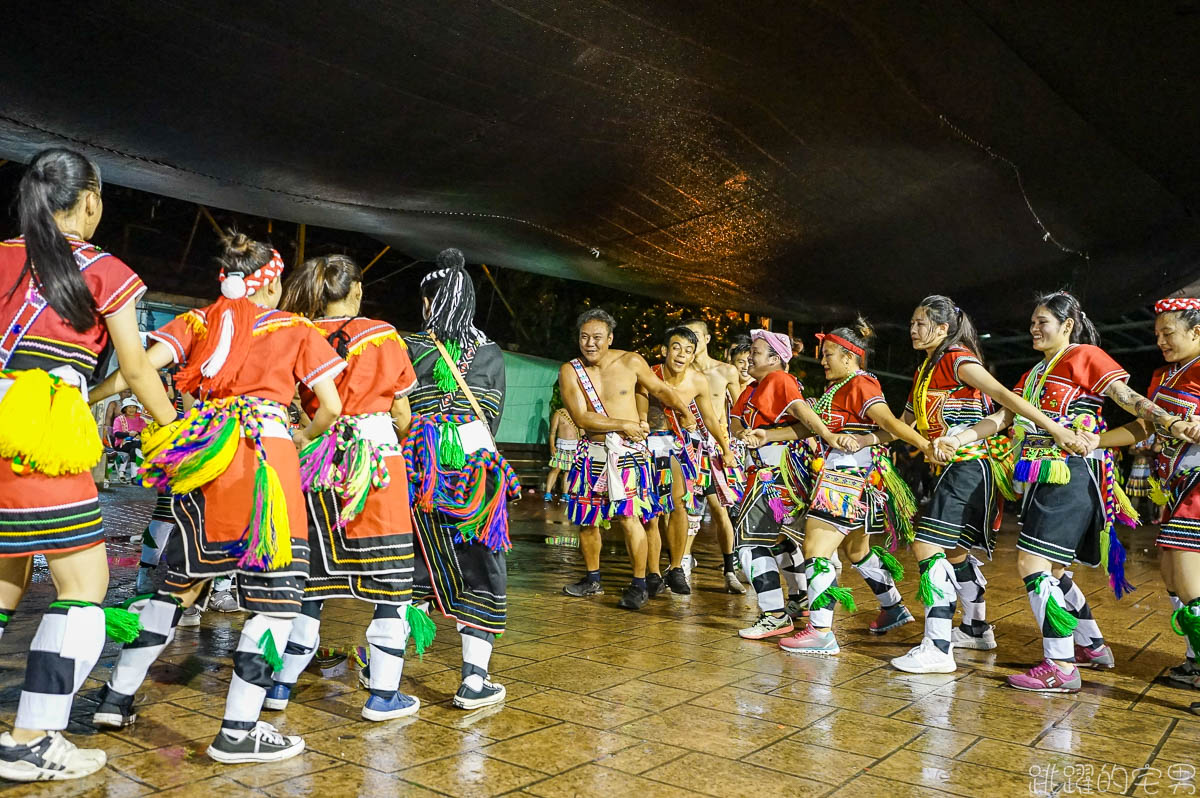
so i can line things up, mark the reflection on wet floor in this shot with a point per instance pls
(665, 702)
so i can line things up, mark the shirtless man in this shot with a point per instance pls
(612, 480)
(724, 387)
(676, 449)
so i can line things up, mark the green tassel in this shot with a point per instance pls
(266, 644)
(890, 563)
(443, 377)
(926, 592)
(451, 456)
(1059, 473)
(421, 628)
(835, 593)
(1062, 622)
(122, 625)
(1187, 623)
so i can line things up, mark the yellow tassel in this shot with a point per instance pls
(197, 325)
(218, 462)
(1060, 474)
(155, 438)
(73, 443)
(24, 413)
(1157, 495)
(279, 520)
(1124, 504)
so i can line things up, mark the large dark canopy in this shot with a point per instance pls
(802, 158)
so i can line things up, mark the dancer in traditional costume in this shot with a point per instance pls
(356, 484)
(564, 441)
(611, 480)
(1071, 503)
(678, 451)
(951, 392)
(461, 484)
(853, 493)
(238, 506)
(1176, 483)
(773, 497)
(61, 300)
(722, 479)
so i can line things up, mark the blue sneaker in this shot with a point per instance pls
(277, 696)
(398, 706)
(549, 497)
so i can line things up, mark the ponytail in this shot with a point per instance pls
(862, 335)
(318, 283)
(451, 296)
(960, 330)
(55, 181)
(1063, 305)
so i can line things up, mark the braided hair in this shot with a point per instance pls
(451, 296)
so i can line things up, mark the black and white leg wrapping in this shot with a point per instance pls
(387, 635)
(970, 586)
(252, 672)
(791, 566)
(1087, 631)
(63, 652)
(937, 589)
(879, 580)
(302, 643)
(159, 618)
(1044, 591)
(759, 564)
(477, 654)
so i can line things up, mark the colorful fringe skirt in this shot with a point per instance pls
(769, 506)
(360, 552)
(564, 455)
(589, 501)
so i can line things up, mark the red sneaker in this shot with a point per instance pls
(1046, 677)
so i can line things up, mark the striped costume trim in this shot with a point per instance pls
(30, 530)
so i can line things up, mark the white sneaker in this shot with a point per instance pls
(191, 616)
(985, 642)
(687, 564)
(926, 658)
(223, 601)
(51, 757)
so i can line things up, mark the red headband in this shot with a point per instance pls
(261, 276)
(1176, 303)
(840, 341)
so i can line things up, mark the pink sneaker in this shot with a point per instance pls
(809, 641)
(1046, 677)
(1095, 657)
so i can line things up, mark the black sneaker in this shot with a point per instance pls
(48, 758)
(654, 585)
(263, 744)
(115, 710)
(491, 693)
(676, 579)
(634, 598)
(584, 588)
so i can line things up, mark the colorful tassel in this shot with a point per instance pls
(421, 628)
(1157, 495)
(833, 593)
(927, 593)
(443, 377)
(24, 412)
(1062, 622)
(1186, 623)
(73, 443)
(890, 563)
(270, 652)
(122, 625)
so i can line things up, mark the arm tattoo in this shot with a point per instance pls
(1138, 405)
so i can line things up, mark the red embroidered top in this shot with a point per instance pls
(764, 402)
(35, 336)
(377, 366)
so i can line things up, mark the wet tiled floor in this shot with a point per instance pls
(664, 702)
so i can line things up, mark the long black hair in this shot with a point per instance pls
(960, 330)
(451, 296)
(53, 182)
(1063, 305)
